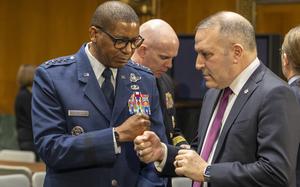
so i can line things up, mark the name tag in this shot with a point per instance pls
(82, 113)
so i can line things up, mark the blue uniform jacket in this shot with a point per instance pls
(72, 124)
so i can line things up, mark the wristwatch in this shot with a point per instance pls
(207, 174)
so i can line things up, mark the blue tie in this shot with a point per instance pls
(107, 87)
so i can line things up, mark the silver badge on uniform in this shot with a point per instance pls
(134, 87)
(77, 130)
(81, 113)
(134, 78)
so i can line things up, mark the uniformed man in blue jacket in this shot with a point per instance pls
(87, 108)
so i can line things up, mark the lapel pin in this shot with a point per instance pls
(246, 91)
(134, 78)
(123, 77)
(86, 74)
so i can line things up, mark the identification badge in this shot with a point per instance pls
(139, 103)
(81, 113)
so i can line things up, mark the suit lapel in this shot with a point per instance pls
(206, 113)
(122, 92)
(91, 86)
(239, 103)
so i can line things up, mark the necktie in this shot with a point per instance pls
(215, 128)
(107, 87)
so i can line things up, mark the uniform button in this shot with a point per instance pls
(114, 182)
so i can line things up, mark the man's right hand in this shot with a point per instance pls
(148, 147)
(135, 125)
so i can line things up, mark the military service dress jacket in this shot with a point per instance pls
(72, 124)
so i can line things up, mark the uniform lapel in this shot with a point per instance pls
(122, 92)
(91, 86)
(206, 113)
(239, 103)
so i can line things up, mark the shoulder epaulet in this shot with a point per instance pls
(139, 66)
(60, 61)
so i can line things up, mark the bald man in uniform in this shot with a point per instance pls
(159, 48)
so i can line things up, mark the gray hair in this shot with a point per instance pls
(291, 47)
(232, 27)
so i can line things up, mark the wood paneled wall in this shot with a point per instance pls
(277, 18)
(32, 31)
(184, 15)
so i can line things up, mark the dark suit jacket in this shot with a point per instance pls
(165, 85)
(23, 119)
(166, 94)
(72, 124)
(259, 141)
(296, 88)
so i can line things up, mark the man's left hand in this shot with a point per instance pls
(190, 164)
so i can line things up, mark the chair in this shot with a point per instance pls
(181, 182)
(38, 179)
(17, 155)
(9, 170)
(16, 180)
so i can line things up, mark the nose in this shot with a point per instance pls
(128, 49)
(199, 63)
(169, 64)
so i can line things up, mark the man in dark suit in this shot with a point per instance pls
(87, 108)
(249, 123)
(159, 48)
(290, 61)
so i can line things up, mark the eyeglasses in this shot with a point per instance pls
(121, 43)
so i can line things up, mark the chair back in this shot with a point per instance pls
(181, 182)
(17, 155)
(16, 180)
(9, 170)
(38, 179)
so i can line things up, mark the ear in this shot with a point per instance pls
(93, 34)
(142, 50)
(238, 51)
(285, 60)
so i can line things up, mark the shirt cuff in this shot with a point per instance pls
(116, 147)
(160, 165)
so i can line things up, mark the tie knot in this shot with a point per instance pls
(107, 73)
(227, 92)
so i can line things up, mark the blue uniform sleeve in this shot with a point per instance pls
(148, 176)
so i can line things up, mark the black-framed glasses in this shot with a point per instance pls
(121, 43)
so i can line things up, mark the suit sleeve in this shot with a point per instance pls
(276, 131)
(58, 149)
(148, 176)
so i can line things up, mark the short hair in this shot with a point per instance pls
(231, 26)
(291, 47)
(25, 75)
(108, 14)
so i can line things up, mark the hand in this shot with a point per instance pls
(148, 147)
(135, 125)
(190, 164)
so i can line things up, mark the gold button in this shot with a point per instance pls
(114, 182)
